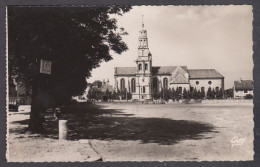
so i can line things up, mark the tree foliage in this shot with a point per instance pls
(75, 39)
(228, 93)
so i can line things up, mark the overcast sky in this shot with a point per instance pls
(218, 37)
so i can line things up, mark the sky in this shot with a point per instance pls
(199, 37)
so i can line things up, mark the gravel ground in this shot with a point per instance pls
(138, 132)
(228, 121)
(26, 147)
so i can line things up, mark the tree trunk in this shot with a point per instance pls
(39, 104)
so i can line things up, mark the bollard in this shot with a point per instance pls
(63, 129)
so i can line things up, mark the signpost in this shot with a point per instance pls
(45, 66)
(39, 92)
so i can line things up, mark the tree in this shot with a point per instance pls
(202, 94)
(199, 94)
(195, 94)
(107, 95)
(129, 95)
(228, 93)
(97, 83)
(75, 39)
(213, 94)
(172, 93)
(185, 94)
(123, 94)
(219, 93)
(178, 94)
(115, 95)
(156, 94)
(209, 93)
(165, 94)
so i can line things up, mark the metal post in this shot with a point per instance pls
(63, 129)
(126, 95)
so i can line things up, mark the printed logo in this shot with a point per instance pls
(236, 141)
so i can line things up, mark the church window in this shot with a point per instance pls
(202, 89)
(155, 84)
(133, 85)
(210, 82)
(217, 88)
(143, 89)
(165, 83)
(140, 67)
(122, 84)
(197, 82)
(146, 66)
(191, 89)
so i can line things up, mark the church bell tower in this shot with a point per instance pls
(144, 66)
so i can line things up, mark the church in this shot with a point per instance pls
(145, 78)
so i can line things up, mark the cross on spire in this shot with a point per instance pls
(142, 21)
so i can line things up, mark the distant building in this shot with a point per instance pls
(102, 86)
(12, 93)
(106, 86)
(144, 79)
(242, 88)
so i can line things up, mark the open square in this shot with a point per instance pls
(149, 132)
(130, 83)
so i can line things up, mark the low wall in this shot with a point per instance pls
(230, 101)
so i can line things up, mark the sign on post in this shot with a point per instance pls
(45, 66)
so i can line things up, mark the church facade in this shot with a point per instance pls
(145, 78)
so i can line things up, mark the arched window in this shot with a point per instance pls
(155, 84)
(143, 89)
(165, 83)
(133, 85)
(146, 66)
(140, 67)
(217, 88)
(202, 89)
(122, 84)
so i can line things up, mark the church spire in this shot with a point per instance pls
(143, 50)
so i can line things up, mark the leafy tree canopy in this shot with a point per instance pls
(75, 39)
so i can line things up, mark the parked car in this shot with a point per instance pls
(13, 108)
(24, 108)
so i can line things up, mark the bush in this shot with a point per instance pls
(228, 93)
(156, 94)
(219, 94)
(249, 96)
(185, 94)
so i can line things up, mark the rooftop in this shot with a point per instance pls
(168, 70)
(244, 84)
(204, 73)
(159, 70)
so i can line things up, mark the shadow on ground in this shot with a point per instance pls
(95, 122)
